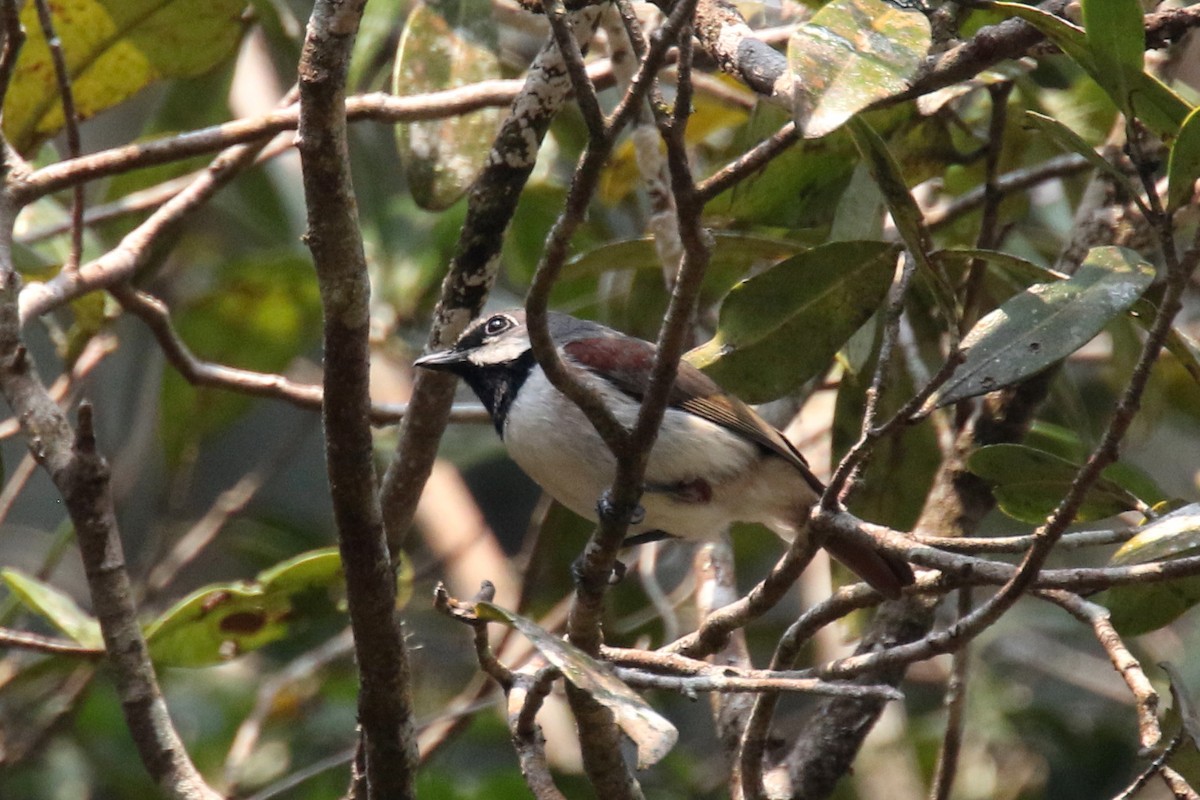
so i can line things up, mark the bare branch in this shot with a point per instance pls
(154, 313)
(14, 39)
(35, 643)
(1130, 669)
(955, 701)
(491, 203)
(137, 247)
(385, 700)
(377, 106)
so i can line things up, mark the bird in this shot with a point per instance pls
(715, 461)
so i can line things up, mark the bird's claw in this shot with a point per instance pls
(607, 509)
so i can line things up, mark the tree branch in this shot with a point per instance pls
(385, 703)
(82, 478)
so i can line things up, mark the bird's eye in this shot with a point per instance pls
(497, 324)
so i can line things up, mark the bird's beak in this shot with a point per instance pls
(443, 361)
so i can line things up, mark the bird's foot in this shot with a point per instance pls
(607, 509)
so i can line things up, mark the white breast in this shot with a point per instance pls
(554, 444)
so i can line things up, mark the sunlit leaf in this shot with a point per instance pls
(221, 621)
(850, 54)
(1153, 103)
(446, 44)
(783, 326)
(1141, 608)
(1046, 323)
(1028, 484)
(56, 607)
(113, 49)
(1183, 166)
(652, 733)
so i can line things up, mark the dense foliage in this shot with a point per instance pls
(951, 248)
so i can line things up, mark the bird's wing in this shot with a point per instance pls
(626, 362)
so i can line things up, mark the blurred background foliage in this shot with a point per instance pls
(215, 488)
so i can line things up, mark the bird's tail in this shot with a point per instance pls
(886, 573)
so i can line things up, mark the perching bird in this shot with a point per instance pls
(715, 461)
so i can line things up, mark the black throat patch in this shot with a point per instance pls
(497, 386)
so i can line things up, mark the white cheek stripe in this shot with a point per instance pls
(502, 351)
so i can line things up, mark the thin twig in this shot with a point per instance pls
(154, 313)
(491, 203)
(46, 645)
(71, 121)
(14, 39)
(1129, 668)
(988, 236)
(376, 106)
(530, 688)
(748, 163)
(137, 248)
(955, 702)
(1009, 183)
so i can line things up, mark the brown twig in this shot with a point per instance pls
(955, 701)
(1009, 183)
(71, 121)
(1099, 619)
(748, 163)
(14, 39)
(376, 106)
(137, 247)
(36, 643)
(81, 476)
(491, 203)
(154, 313)
(385, 694)
(530, 688)
(1177, 784)
(763, 597)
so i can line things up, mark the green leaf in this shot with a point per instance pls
(55, 607)
(860, 211)
(1141, 608)
(1046, 323)
(1028, 484)
(221, 621)
(850, 54)
(906, 214)
(782, 327)
(1184, 705)
(446, 44)
(1069, 140)
(1183, 166)
(113, 49)
(1116, 41)
(1153, 103)
(653, 735)
(1019, 269)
